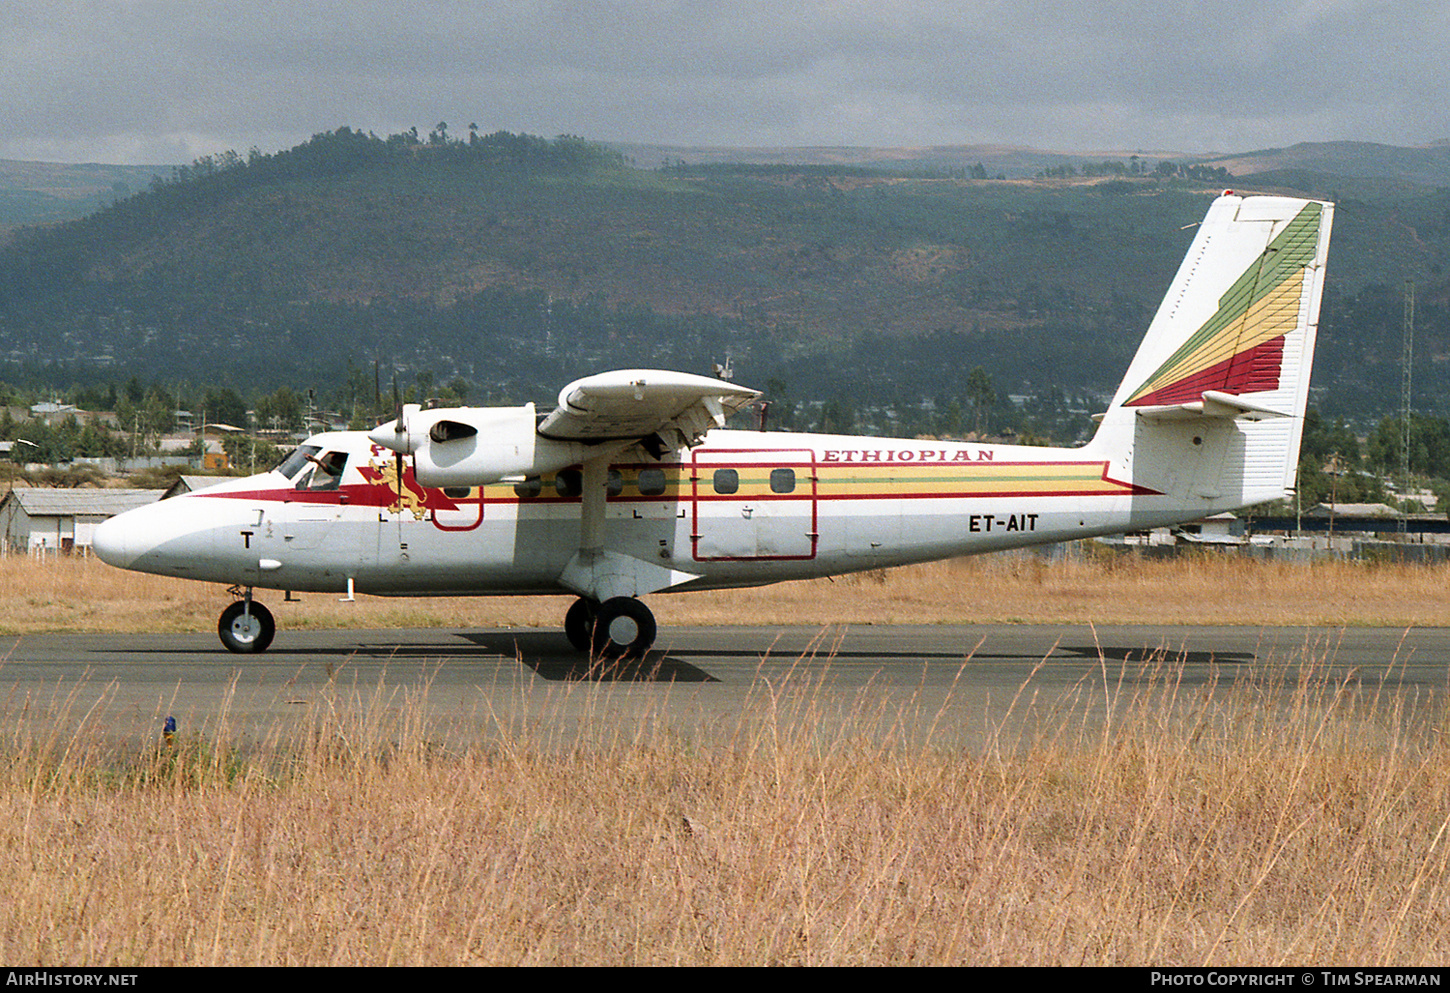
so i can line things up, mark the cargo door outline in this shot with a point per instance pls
(756, 522)
(463, 516)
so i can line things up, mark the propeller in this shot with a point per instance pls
(395, 434)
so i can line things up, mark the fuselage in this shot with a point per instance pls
(630, 486)
(742, 509)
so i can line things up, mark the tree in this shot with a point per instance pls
(250, 454)
(981, 395)
(950, 419)
(837, 417)
(282, 411)
(224, 406)
(1331, 467)
(455, 393)
(781, 412)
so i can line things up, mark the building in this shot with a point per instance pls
(1356, 510)
(190, 484)
(214, 455)
(35, 518)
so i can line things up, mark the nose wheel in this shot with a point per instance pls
(246, 627)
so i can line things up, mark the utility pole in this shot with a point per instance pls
(1336, 469)
(1406, 363)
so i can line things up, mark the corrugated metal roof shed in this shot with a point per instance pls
(190, 484)
(62, 519)
(44, 502)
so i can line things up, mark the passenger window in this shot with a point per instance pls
(530, 487)
(569, 483)
(651, 482)
(782, 480)
(726, 481)
(457, 492)
(615, 486)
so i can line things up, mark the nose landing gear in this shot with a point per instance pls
(246, 627)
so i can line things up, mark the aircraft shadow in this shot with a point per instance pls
(551, 656)
(1112, 654)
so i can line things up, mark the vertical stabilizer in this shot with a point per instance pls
(1227, 358)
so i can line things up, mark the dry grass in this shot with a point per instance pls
(1266, 822)
(77, 594)
(1186, 829)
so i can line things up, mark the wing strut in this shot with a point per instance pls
(599, 574)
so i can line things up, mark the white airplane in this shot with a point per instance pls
(632, 485)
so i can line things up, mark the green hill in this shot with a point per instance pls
(516, 263)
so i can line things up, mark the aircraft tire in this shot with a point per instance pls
(579, 623)
(622, 618)
(242, 637)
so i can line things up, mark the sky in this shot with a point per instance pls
(168, 81)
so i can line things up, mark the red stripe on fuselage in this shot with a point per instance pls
(381, 495)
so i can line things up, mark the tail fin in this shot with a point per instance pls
(1227, 357)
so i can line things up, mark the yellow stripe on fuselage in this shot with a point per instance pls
(868, 481)
(979, 479)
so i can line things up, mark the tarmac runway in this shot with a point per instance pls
(968, 686)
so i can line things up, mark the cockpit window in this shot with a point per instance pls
(300, 456)
(326, 472)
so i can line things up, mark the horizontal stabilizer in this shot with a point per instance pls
(1213, 405)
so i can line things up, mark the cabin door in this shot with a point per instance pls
(755, 504)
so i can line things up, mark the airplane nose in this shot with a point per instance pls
(112, 543)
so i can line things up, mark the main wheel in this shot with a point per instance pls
(623, 628)
(244, 630)
(579, 623)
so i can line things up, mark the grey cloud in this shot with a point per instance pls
(173, 79)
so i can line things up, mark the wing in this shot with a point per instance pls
(597, 416)
(638, 403)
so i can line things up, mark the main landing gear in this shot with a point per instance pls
(620, 627)
(246, 626)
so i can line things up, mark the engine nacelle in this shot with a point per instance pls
(475, 446)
